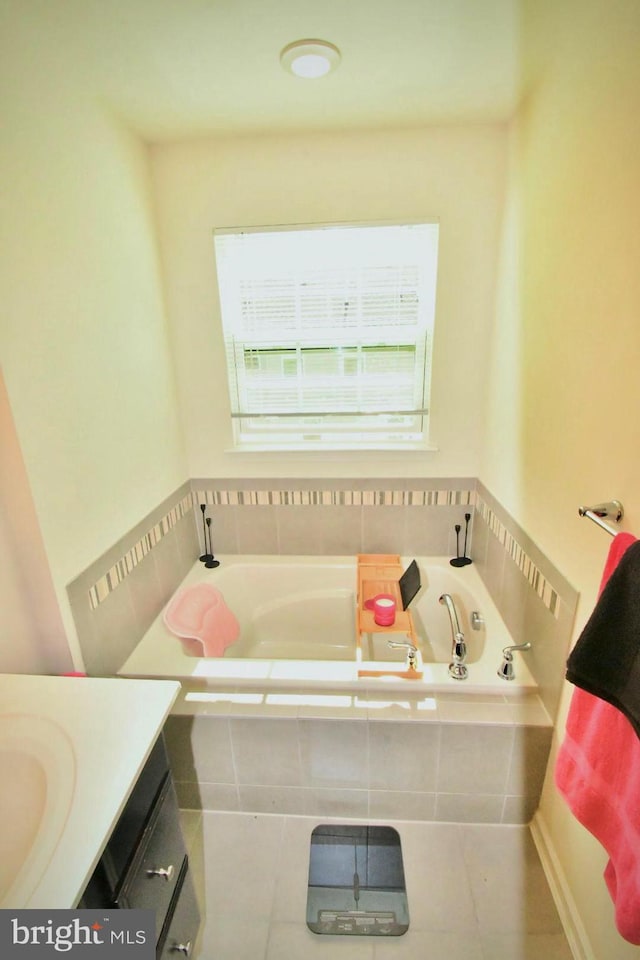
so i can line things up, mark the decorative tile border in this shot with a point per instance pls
(123, 567)
(525, 564)
(268, 498)
(335, 498)
(331, 498)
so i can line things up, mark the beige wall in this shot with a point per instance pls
(562, 425)
(82, 335)
(453, 174)
(33, 638)
(84, 345)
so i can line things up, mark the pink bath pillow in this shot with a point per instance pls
(200, 613)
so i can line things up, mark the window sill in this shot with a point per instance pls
(334, 448)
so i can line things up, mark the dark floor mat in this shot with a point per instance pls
(356, 882)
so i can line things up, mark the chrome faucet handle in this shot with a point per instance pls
(412, 651)
(516, 646)
(405, 644)
(506, 670)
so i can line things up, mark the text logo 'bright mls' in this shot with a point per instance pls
(114, 935)
(66, 936)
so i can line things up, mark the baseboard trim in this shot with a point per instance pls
(566, 906)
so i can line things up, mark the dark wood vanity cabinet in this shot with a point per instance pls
(145, 863)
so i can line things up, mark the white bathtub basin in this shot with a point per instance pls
(37, 777)
(297, 631)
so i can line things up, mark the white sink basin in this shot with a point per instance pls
(37, 781)
(71, 750)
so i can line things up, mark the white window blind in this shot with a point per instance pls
(328, 333)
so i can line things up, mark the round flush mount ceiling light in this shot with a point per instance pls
(310, 58)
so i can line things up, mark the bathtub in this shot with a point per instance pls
(297, 617)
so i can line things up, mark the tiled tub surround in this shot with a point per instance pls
(535, 601)
(310, 737)
(116, 598)
(414, 759)
(336, 517)
(360, 759)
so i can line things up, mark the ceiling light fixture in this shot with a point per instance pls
(310, 58)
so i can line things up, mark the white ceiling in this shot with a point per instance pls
(180, 68)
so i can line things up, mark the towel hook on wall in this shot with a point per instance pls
(611, 510)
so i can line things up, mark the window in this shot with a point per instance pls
(328, 334)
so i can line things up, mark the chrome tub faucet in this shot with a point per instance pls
(457, 667)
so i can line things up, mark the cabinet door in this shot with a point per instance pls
(152, 880)
(131, 826)
(180, 937)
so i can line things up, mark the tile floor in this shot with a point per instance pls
(476, 892)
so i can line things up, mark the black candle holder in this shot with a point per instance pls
(211, 561)
(205, 557)
(464, 560)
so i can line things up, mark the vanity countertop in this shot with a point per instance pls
(72, 749)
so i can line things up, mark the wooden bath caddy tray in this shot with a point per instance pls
(380, 573)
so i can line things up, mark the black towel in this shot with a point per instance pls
(606, 658)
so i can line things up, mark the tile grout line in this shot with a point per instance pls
(274, 892)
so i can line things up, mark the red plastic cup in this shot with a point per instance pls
(384, 610)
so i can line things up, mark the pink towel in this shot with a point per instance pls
(598, 773)
(200, 613)
(620, 543)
